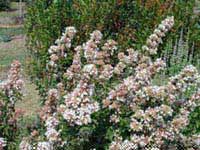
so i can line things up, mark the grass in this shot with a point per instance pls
(30, 103)
(11, 31)
(6, 34)
(12, 50)
(11, 16)
(14, 12)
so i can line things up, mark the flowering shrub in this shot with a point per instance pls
(10, 93)
(101, 102)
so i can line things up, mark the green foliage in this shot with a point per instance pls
(8, 127)
(194, 126)
(11, 31)
(4, 4)
(180, 53)
(128, 22)
(7, 33)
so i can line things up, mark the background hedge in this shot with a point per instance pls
(129, 22)
(4, 4)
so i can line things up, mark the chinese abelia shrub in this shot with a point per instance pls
(107, 99)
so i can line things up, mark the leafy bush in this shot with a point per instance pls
(106, 98)
(128, 22)
(4, 4)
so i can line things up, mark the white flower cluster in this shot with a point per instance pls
(2, 143)
(107, 72)
(11, 88)
(13, 82)
(188, 77)
(155, 119)
(96, 55)
(100, 56)
(90, 69)
(44, 146)
(126, 60)
(119, 144)
(152, 125)
(196, 139)
(116, 144)
(59, 50)
(25, 145)
(91, 46)
(111, 46)
(132, 84)
(50, 107)
(49, 115)
(52, 134)
(156, 38)
(78, 105)
(74, 70)
(194, 101)
(96, 36)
